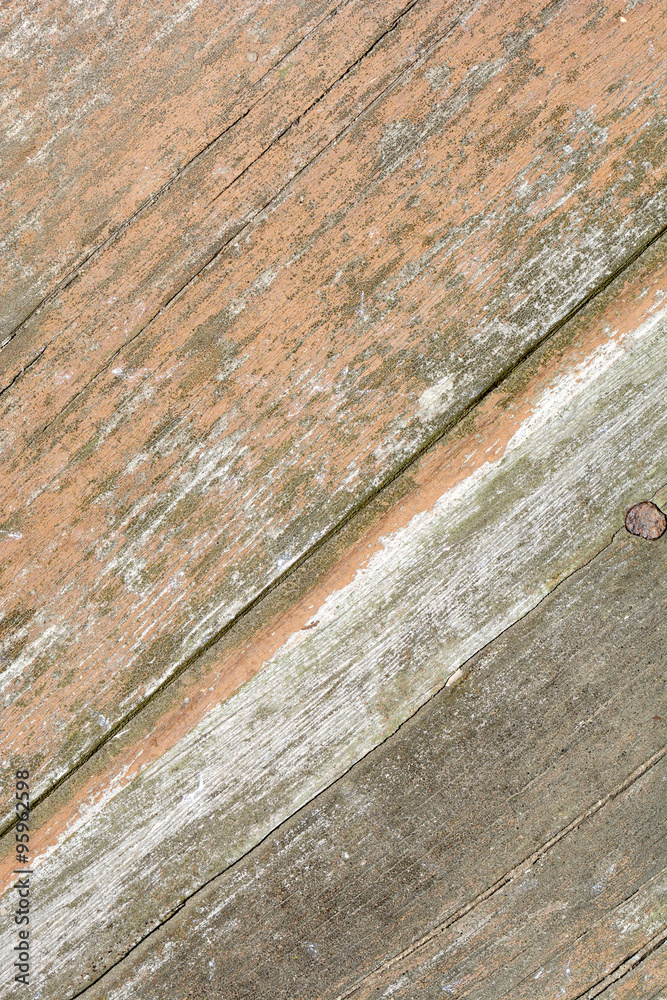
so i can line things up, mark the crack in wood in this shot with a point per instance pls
(624, 967)
(509, 876)
(23, 370)
(122, 227)
(406, 10)
(352, 513)
(220, 248)
(519, 869)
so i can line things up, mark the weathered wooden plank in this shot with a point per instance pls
(555, 930)
(645, 981)
(315, 93)
(104, 105)
(487, 523)
(508, 841)
(541, 935)
(253, 414)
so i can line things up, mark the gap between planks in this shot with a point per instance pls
(211, 582)
(627, 544)
(353, 513)
(521, 868)
(621, 970)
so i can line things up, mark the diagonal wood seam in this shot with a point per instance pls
(220, 249)
(454, 917)
(602, 707)
(509, 876)
(123, 227)
(621, 970)
(626, 966)
(354, 512)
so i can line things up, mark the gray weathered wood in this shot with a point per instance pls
(477, 554)
(508, 841)
(180, 432)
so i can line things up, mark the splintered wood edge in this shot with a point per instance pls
(509, 505)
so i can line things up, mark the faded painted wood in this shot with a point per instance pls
(480, 530)
(105, 104)
(315, 93)
(508, 841)
(162, 472)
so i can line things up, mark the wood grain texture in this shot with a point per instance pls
(160, 474)
(302, 107)
(508, 841)
(104, 104)
(486, 524)
(646, 981)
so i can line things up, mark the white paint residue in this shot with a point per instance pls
(236, 306)
(131, 376)
(133, 573)
(92, 809)
(577, 380)
(195, 796)
(435, 400)
(258, 756)
(168, 24)
(398, 985)
(46, 643)
(17, 43)
(263, 281)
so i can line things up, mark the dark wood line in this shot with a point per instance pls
(454, 917)
(357, 509)
(624, 967)
(500, 883)
(123, 226)
(221, 247)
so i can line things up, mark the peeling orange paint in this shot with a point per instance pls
(447, 464)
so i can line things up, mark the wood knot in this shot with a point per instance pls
(646, 520)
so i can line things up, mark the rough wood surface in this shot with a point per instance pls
(164, 464)
(105, 104)
(645, 981)
(479, 531)
(508, 841)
